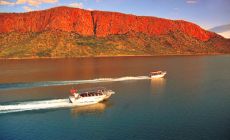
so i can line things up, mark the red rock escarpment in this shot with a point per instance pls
(98, 23)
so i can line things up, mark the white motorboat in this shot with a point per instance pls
(91, 96)
(157, 74)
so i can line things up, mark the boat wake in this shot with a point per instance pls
(35, 105)
(9, 86)
(54, 103)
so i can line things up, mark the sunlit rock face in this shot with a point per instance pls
(96, 23)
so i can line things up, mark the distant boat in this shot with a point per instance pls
(157, 74)
(91, 96)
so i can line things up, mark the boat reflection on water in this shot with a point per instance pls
(158, 85)
(90, 109)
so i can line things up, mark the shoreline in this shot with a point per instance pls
(108, 56)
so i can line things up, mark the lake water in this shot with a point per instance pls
(191, 103)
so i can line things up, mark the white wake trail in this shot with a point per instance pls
(35, 105)
(54, 103)
(9, 86)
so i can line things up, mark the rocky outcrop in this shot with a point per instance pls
(62, 18)
(96, 23)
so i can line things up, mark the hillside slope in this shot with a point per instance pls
(72, 32)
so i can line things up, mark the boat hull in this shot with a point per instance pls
(86, 100)
(157, 76)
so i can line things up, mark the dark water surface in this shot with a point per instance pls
(191, 103)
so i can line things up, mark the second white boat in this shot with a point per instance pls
(157, 74)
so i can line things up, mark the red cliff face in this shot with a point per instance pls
(62, 18)
(98, 23)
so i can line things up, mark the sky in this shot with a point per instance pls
(205, 13)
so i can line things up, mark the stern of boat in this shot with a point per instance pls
(71, 99)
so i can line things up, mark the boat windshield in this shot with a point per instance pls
(91, 93)
(156, 73)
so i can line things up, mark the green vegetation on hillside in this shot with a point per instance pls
(65, 44)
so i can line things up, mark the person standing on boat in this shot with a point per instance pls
(74, 92)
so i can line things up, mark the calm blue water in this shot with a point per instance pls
(191, 103)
